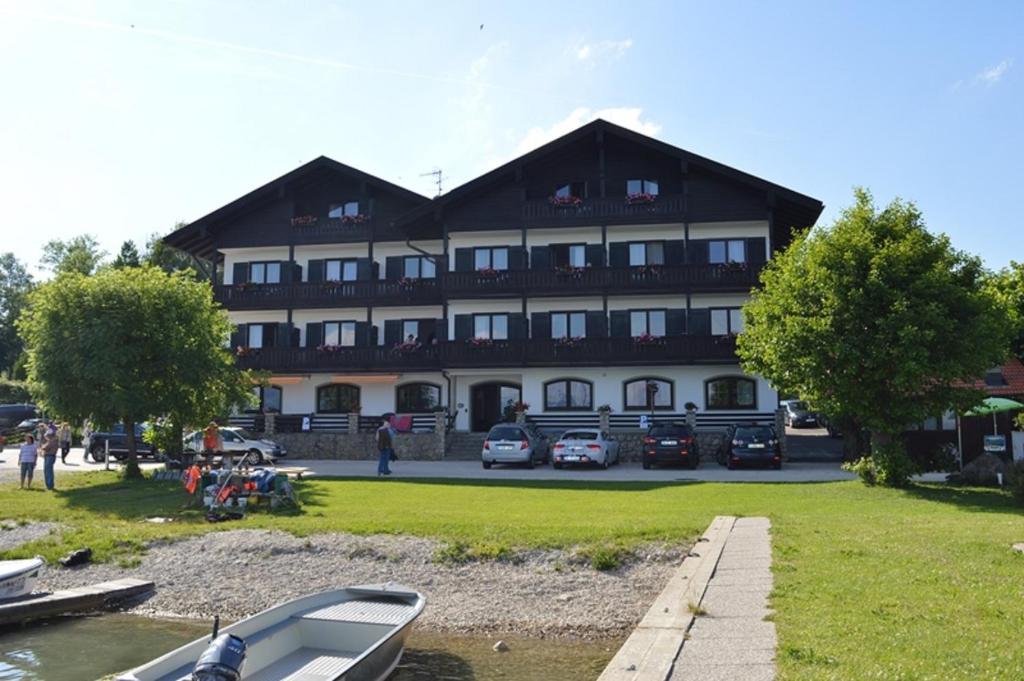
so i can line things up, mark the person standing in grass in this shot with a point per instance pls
(50, 447)
(64, 438)
(385, 445)
(27, 460)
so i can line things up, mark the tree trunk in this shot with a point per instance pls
(854, 443)
(175, 449)
(131, 465)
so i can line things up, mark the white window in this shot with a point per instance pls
(647, 322)
(340, 210)
(641, 187)
(340, 270)
(410, 330)
(419, 267)
(491, 258)
(733, 250)
(725, 321)
(568, 324)
(492, 326)
(255, 335)
(649, 253)
(340, 333)
(265, 272)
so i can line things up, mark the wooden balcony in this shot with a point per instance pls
(328, 294)
(331, 230)
(374, 358)
(590, 352)
(600, 280)
(596, 211)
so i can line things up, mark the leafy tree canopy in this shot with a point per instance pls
(170, 259)
(15, 283)
(128, 256)
(876, 318)
(1007, 285)
(82, 254)
(129, 345)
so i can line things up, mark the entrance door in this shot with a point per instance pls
(488, 403)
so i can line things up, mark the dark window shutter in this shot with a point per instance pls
(595, 255)
(392, 332)
(286, 272)
(756, 250)
(284, 335)
(296, 271)
(362, 334)
(441, 329)
(517, 326)
(675, 252)
(540, 258)
(620, 323)
(240, 273)
(675, 322)
(316, 270)
(364, 271)
(597, 324)
(541, 325)
(463, 327)
(294, 339)
(238, 336)
(314, 334)
(463, 259)
(700, 322)
(618, 254)
(697, 251)
(394, 268)
(516, 258)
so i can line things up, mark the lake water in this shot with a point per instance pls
(82, 648)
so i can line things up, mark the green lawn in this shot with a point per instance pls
(870, 583)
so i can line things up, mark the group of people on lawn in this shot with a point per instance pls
(48, 438)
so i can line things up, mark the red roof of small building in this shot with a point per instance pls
(1013, 373)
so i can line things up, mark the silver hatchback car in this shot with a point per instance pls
(513, 443)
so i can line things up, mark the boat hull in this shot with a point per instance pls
(18, 577)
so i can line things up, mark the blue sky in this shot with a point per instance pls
(122, 118)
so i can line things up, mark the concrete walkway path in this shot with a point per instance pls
(732, 640)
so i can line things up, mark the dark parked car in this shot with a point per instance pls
(12, 415)
(118, 439)
(830, 424)
(753, 444)
(670, 443)
(798, 414)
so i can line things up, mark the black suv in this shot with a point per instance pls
(753, 444)
(670, 443)
(13, 414)
(118, 439)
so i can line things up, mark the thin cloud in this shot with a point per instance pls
(627, 117)
(613, 49)
(993, 74)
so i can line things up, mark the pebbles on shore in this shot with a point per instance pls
(545, 593)
(13, 535)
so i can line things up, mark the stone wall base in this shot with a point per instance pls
(409, 446)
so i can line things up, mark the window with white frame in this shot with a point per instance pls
(340, 333)
(341, 270)
(646, 253)
(726, 321)
(647, 323)
(726, 251)
(341, 210)
(491, 258)
(418, 267)
(568, 324)
(492, 326)
(636, 187)
(265, 272)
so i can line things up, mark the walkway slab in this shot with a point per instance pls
(709, 622)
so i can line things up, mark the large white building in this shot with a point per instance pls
(604, 268)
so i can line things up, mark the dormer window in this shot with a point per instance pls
(994, 378)
(636, 187)
(577, 189)
(342, 210)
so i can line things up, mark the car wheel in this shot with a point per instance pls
(693, 462)
(731, 466)
(97, 454)
(605, 464)
(777, 466)
(256, 456)
(487, 465)
(557, 465)
(530, 463)
(647, 466)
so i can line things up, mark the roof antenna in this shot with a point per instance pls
(437, 178)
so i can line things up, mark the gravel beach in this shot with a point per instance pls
(540, 593)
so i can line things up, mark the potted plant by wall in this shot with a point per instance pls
(690, 406)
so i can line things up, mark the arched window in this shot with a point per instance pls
(648, 393)
(267, 400)
(337, 398)
(568, 394)
(730, 392)
(414, 398)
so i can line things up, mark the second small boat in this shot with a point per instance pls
(18, 577)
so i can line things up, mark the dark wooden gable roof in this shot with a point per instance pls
(790, 207)
(197, 237)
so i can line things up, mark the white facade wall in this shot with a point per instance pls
(646, 232)
(257, 316)
(563, 304)
(718, 299)
(376, 393)
(723, 230)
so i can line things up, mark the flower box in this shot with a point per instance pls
(640, 198)
(329, 349)
(648, 339)
(300, 220)
(569, 201)
(246, 351)
(480, 342)
(569, 272)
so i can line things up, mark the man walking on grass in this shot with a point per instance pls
(385, 445)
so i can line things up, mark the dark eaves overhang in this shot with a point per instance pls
(791, 208)
(197, 237)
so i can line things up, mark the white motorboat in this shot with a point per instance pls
(18, 577)
(352, 634)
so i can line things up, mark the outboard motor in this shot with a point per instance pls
(222, 660)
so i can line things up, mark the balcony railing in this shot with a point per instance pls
(596, 211)
(329, 294)
(673, 278)
(331, 230)
(374, 358)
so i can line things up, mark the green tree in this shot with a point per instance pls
(15, 283)
(877, 319)
(81, 254)
(170, 259)
(1008, 286)
(128, 256)
(128, 345)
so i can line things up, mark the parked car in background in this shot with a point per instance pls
(118, 439)
(586, 446)
(670, 443)
(753, 444)
(514, 443)
(12, 415)
(798, 414)
(830, 424)
(239, 441)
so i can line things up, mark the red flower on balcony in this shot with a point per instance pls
(242, 286)
(726, 339)
(332, 284)
(246, 351)
(329, 348)
(647, 271)
(733, 267)
(488, 272)
(569, 272)
(407, 283)
(480, 342)
(407, 347)
(640, 197)
(566, 201)
(569, 341)
(648, 339)
(299, 220)
(354, 219)
(521, 407)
